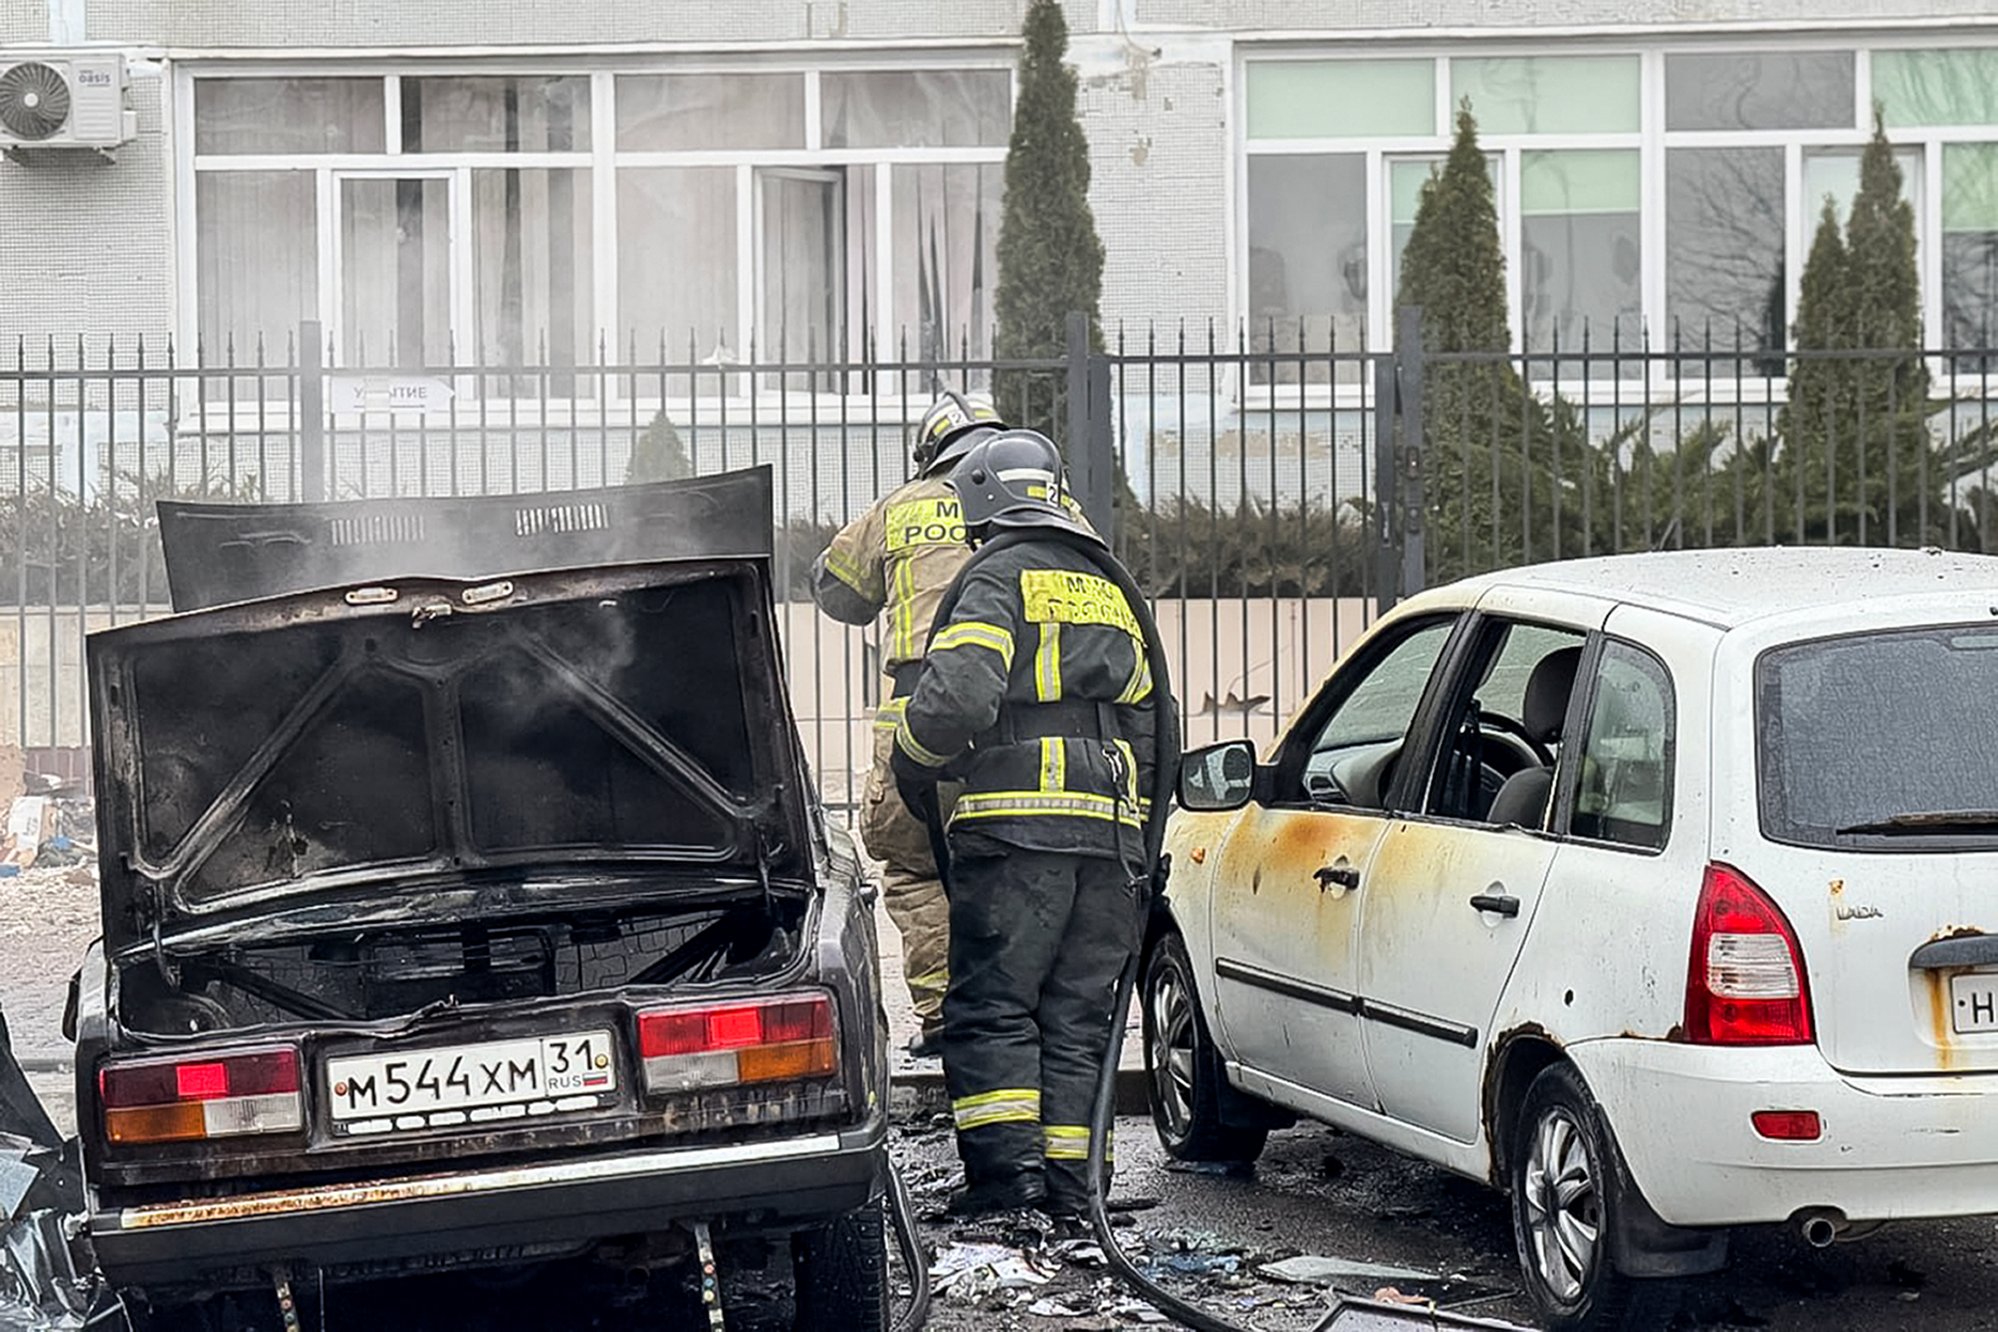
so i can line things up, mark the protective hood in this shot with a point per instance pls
(349, 745)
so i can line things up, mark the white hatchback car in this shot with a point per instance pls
(1660, 891)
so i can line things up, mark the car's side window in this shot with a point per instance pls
(1353, 754)
(1623, 792)
(1503, 737)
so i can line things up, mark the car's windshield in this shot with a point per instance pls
(1881, 736)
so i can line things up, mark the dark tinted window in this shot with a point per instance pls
(1876, 728)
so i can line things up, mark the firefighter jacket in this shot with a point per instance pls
(902, 554)
(1036, 697)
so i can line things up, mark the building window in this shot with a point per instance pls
(1937, 88)
(1759, 90)
(1657, 199)
(1307, 257)
(289, 116)
(1341, 99)
(1725, 258)
(256, 254)
(1581, 251)
(495, 115)
(677, 279)
(917, 109)
(421, 245)
(1970, 244)
(1550, 94)
(693, 112)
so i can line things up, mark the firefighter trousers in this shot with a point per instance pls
(910, 887)
(1038, 941)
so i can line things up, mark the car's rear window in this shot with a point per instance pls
(1879, 739)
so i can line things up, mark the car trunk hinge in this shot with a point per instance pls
(704, 1248)
(156, 925)
(763, 853)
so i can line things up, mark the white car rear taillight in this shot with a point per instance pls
(1745, 979)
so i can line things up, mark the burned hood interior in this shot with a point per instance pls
(356, 745)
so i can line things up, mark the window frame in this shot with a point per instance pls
(1581, 708)
(1652, 141)
(603, 160)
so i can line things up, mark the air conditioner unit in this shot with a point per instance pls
(65, 99)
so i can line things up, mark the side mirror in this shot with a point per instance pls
(70, 1004)
(1220, 777)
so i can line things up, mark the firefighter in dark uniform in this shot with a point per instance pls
(1034, 696)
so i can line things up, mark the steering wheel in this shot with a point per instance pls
(1513, 730)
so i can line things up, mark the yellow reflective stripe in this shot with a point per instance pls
(976, 633)
(1047, 664)
(844, 569)
(1009, 1105)
(889, 715)
(1070, 1142)
(1040, 804)
(1140, 683)
(1054, 763)
(931, 980)
(905, 647)
(905, 740)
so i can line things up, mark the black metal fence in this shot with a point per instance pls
(1271, 492)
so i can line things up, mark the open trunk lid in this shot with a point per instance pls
(1877, 798)
(342, 747)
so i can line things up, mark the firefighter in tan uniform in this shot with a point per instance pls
(901, 556)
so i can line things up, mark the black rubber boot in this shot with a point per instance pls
(1007, 1193)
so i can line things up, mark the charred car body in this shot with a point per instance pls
(470, 919)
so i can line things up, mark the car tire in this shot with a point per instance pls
(1566, 1187)
(1183, 1077)
(841, 1273)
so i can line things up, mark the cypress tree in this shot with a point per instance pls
(1050, 257)
(1489, 450)
(1859, 465)
(657, 454)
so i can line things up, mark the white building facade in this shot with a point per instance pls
(503, 183)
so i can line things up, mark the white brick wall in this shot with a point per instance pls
(1158, 133)
(86, 245)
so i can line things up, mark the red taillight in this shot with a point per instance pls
(1745, 982)
(729, 1045)
(168, 1100)
(1788, 1125)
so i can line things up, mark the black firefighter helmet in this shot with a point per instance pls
(1013, 479)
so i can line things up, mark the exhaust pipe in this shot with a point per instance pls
(1821, 1226)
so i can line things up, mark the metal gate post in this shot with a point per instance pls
(312, 412)
(1387, 493)
(1091, 457)
(1409, 375)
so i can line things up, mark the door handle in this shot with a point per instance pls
(1504, 904)
(1344, 875)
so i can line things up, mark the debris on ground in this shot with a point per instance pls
(1317, 1270)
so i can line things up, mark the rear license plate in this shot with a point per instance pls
(452, 1085)
(1974, 1002)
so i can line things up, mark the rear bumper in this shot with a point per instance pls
(1892, 1148)
(784, 1183)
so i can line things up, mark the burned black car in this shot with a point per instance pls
(473, 920)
